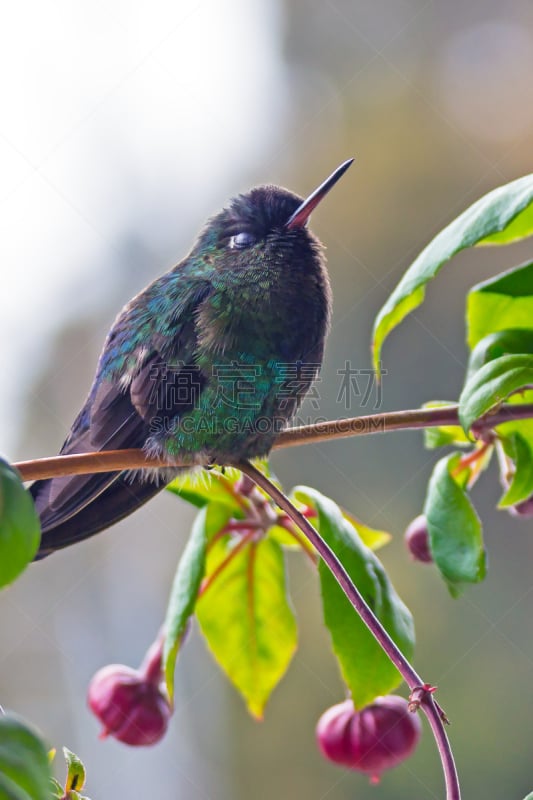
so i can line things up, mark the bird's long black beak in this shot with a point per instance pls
(303, 212)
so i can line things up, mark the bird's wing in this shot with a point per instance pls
(113, 418)
(117, 500)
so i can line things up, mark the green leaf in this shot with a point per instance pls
(454, 528)
(365, 667)
(490, 385)
(285, 538)
(505, 301)
(373, 538)
(191, 569)
(57, 790)
(205, 486)
(493, 213)
(246, 618)
(444, 434)
(19, 525)
(25, 772)
(522, 483)
(524, 427)
(75, 771)
(520, 228)
(501, 343)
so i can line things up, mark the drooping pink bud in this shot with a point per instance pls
(130, 703)
(377, 738)
(417, 540)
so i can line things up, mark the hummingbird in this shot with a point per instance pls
(206, 365)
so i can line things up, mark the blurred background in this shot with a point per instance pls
(122, 127)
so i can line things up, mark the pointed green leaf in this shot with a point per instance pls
(289, 541)
(522, 483)
(444, 434)
(524, 427)
(454, 528)
(246, 618)
(495, 212)
(20, 531)
(502, 343)
(57, 790)
(184, 590)
(492, 384)
(203, 486)
(519, 228)
(505, 301)
(25, 772)
(366, 669)
(75, 771)
(373, 538)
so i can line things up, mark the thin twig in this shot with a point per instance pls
(230, 489)
(407, 671)
(470, 459)
(118, 460)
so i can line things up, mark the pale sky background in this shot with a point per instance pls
(111, 110)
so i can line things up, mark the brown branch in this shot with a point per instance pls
(118, 460)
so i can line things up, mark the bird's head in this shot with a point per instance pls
(264, 229)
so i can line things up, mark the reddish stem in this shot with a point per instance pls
(151, 667)
(471, 458)
(232, 525)
(230, 489)
(206, 583)
(408, 672)
(218, 535)
(240, 525)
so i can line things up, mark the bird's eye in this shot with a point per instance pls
(242, 240)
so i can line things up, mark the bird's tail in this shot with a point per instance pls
(72, 509)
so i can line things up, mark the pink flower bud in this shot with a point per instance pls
(374, 739)
(130, 703)
(417, 540)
